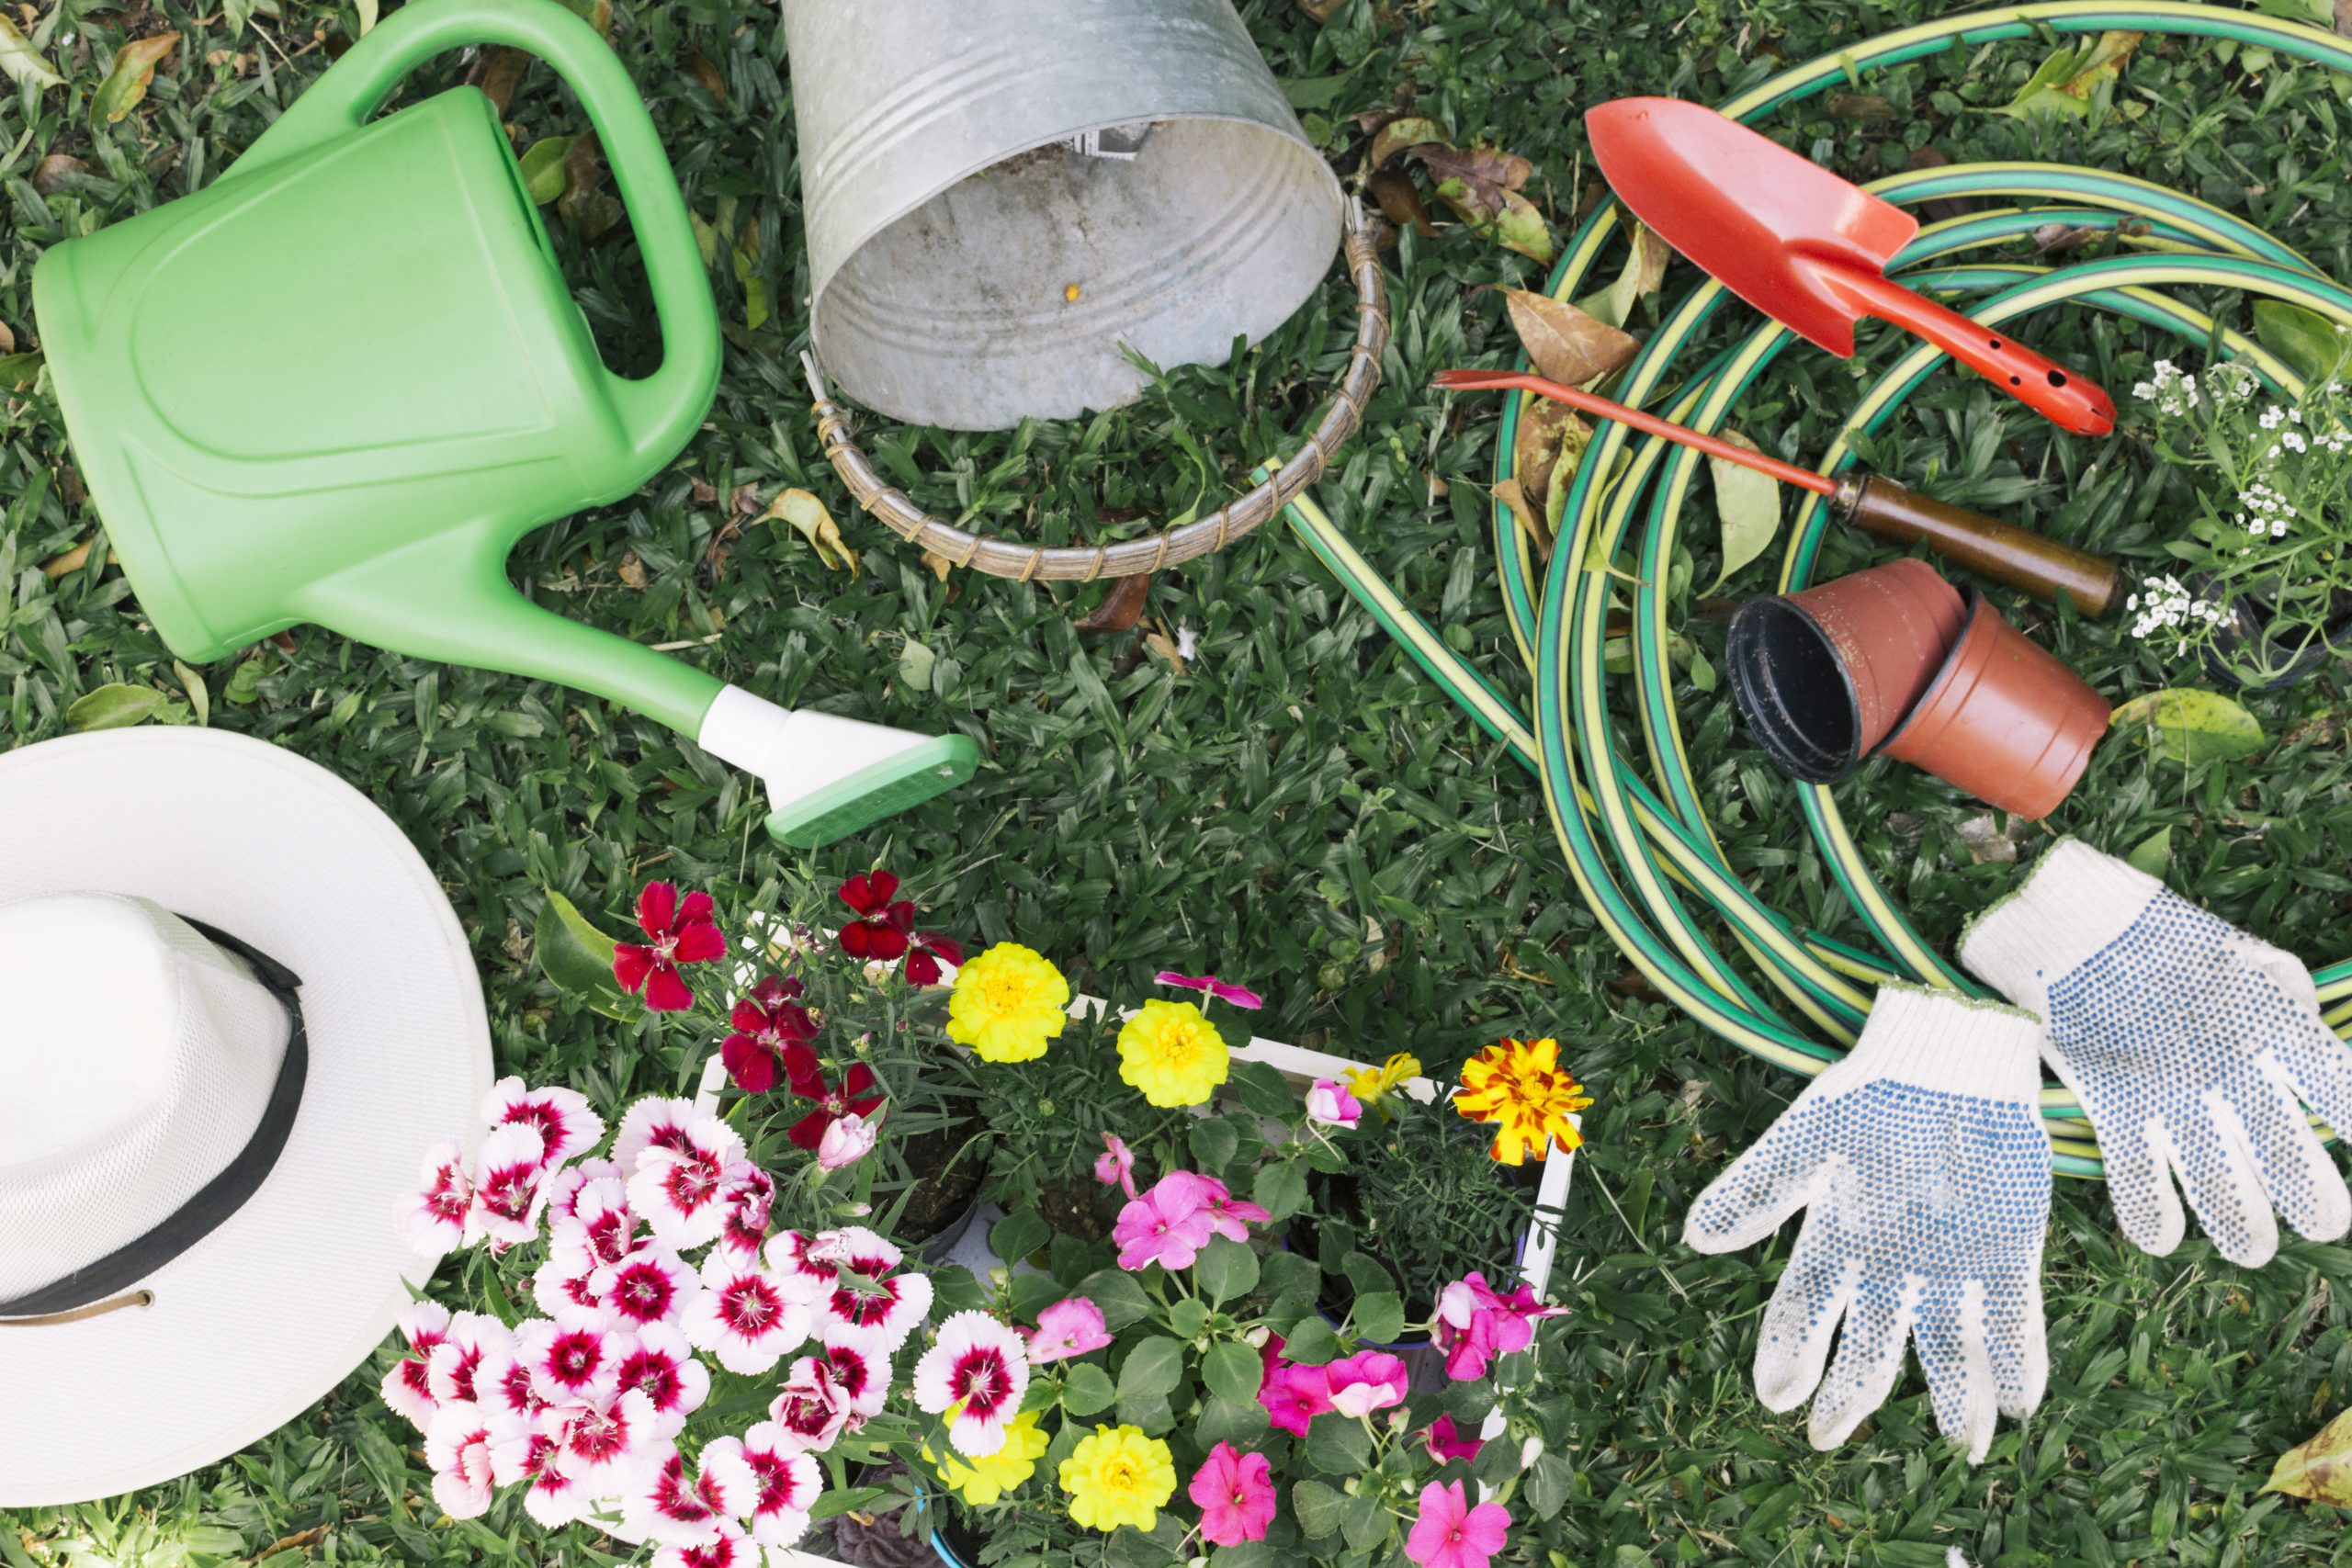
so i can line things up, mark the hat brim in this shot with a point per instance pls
(295, 1291)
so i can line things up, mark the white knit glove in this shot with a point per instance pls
(1923, 1165)
(2190, 1044)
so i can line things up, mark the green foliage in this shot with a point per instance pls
(1424, 1202)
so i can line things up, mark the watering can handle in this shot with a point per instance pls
(663, 411)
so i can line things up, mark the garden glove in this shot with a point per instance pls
(1922, 1162)
(2189, 1044)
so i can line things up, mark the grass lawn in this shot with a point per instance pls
(1296, 807)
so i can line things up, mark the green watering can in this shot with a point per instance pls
(410, 391)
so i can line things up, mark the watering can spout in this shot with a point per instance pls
(448, 599)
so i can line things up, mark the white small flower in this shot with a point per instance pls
(650, 1285)
(456, 1445)
(657, 1363)
(679, 1186)
(450, 1369)
(520, 1451)
(604, 1439)
(569, 1356)
(432, 1219)
(651, 1122)
(509, 1181)
(765, 1482)
(408, 1387)
(666, 1507)
(562, 1117)
(745, 1317)
(976, 1373)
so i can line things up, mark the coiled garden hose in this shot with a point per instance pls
(1637, 839)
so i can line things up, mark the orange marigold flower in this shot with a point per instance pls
(1521, 1088)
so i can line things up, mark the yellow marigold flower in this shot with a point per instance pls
(1373, 1084)
(1173, 1054)
(1007, 1003)
(1520, 1088)
(1116, 1477)
(981, 1482)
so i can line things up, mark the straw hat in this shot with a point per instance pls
(236, 1008)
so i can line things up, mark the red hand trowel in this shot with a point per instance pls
(1804, 246)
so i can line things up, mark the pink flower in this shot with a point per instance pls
(457, 1446)
(676, 933)
(520, 1451)
(876, 1316)
(767, 1023)
(1071, 1326)
(653, 1122)
(602, 1439)
(1167, 1225)
(566, 1126)
(1238, 996)
(408, 1387)
(812, 1410)
(846, 1142)
(596, 1228)
(863, 1375)
(566, 1185)
(1452, 1534)
(668, 1509)
(1441, 1442)
(657, 1362)
(1230, 1217)
(451, 1366)
(1474, 1325)
(744, 1315)
(745, 1202)
(650, 1285)
(1330, 1104)
(975, 1373)
(1366, 1381)
(433, 1220)
(1235, 1493)
(767, 1483)
(570, 1357)
(1294, 1396)
(728, 1547)
(504, 1384)
(677, 1187)
(510, 1178)
(1115, 1166)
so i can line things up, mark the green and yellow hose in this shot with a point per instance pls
(1636, 836)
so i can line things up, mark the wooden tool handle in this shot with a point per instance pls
(2070, 401)
(1987, 545)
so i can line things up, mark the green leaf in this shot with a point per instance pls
(1645, 269)
(1120, 1299)
(116, 707)
(1747, 508)
(1232, 1371)
(1187, 1316)
(1547, 1486)
(1366, 1273)
(544, 175)
(1313, 1342)
(916, 662)
(2313, 346)
(2153, 854)
(846, 1499)
(21, 60)
(1154, 1368)
(245, 683)
(1365, 1524)
(1337, 1446)
(1290, 1277)
(199, 695)
(1263, 1089)
(19, 371)
(1314, 91)
(1379, 1317)
(1088, 1388)
(1018, 1235)
(1242, 1554)
(1319, 1509)
(126, 86)
(576, 955)
(1227, 1270)
(1280, 1189)
(2189, 725)
(1214, 1143)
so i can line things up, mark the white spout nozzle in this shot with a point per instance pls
(828, 778)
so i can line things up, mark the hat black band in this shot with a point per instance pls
(217, 1198)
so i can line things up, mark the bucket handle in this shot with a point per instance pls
(662, 412)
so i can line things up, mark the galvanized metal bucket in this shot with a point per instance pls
(1002, 195)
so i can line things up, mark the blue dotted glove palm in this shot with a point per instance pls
(1925, 1171)
(2192, 1046)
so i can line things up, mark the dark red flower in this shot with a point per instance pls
(678, 933)
(771, 1030)
(854, 1096)
(882, 930)
(925, 956)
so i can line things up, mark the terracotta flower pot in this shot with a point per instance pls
(2004, 721)
(1823, 675)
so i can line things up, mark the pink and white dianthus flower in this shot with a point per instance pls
(566, 1185)
(569, 1356)
(433, 1218)
(744, 1315)
(779, 1481)
(728, 1547)
(672, 1508)
(813, 1408)
(975, 1373)
(598, 1227)
(504, 1384)
(745, 1202)
(602, 1439)
(408, 1387)
(457, 1446)
(652, 1284)
(877, 1315)
(678, 1190)
(510, 1180)
(861, 1374)
(655, 1122)
(846, 1140)
(450, 1369)
(657, 1363)
(567, 1128)
(520, 1451)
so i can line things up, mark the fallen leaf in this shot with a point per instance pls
(1859, 108)
(115, 707)
(2313, 346)
(199, 695)
(1943, 207)
(1403, 132)
(2057, 239)
(806, 512)
(19, 371)
(1567, 344)
(631, 571)
(1320, 10)
(916, 662)
(1544, 425)
(1482, 186)
(1986, 842)
(8, 338)
(497, 73)
(2191, 726)
(2153, 854)
(2063, 84)
(134, 71)
(1164, 646)
(1400, 201)
(1514, 494)
(50, 174)
(1748, 505)
(938, 563)
(586, 205)
(2344, 18)
(368, 11)
(543, 167)
(69, 563)
(1121, 608)
(1646, 259)
(21, 61)
(699, 67)
(2319, 1469)
(284, 642)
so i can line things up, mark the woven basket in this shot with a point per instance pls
(1007, 557)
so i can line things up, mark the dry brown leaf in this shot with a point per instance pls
(1400, 201)
(497, 73)
(2344, 18)
(2320, 1468)
(807, 514)
(1542, 423)
(1321, 10)
(67, 564)
(1567, 344)
(632, 571)
(1488, 174)
(1121, 609)
(49, 175)
(698, 64)
(7, 339)
(1160, 643)
(938, 563)
(586, 205)
(1943, 207)
(1860, 108)
(2106, 60)
(1397, 133)
(1514, 495)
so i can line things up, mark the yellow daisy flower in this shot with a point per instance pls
(1173, 1054)
(1116, 1477)
(1373, 1084)
(1520, 1088)
(981, 1482)
(1008, 1004)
